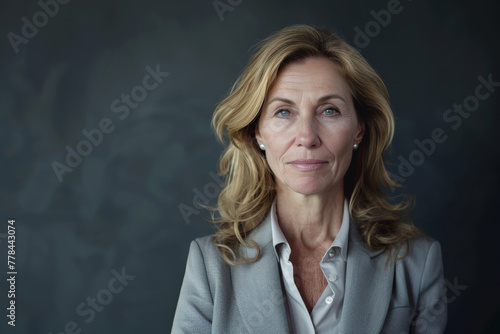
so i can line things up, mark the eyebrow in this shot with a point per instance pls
(321, 100)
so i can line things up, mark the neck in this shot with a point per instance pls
(310, 221)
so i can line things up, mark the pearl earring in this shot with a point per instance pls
(262, 147)
(355, 147)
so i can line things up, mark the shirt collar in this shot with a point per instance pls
(340, 241)
(277, 234)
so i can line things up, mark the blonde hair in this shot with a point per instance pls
(250, 190)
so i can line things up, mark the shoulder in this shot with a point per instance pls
(422, 267)
(203, 250)
(411, 254)
(420, 251)
(205, 243)
(206, 266)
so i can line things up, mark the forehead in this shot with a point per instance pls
(314, 75)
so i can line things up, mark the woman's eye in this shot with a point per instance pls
(283, 113)
(330, 112)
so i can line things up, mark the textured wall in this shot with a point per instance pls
(101, 242)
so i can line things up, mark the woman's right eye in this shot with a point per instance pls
(283, 113)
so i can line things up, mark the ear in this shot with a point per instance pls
(257, 135)
(360, 132)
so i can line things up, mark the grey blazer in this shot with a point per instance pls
(406, 297)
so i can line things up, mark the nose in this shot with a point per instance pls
(307, 133)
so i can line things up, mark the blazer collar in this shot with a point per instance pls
(368, 287)
(262, 234)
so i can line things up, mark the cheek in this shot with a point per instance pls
(276, 148)
(341, 145)
(274, 137)
(343, 156)
(346, 158)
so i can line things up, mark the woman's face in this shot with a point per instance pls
(308, 125)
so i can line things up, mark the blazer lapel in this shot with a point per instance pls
(257, 287)
(368, 287)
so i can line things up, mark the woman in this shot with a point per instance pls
(307, 241)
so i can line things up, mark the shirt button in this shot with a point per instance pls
(332, 278)
(329, 299)
(331, 253)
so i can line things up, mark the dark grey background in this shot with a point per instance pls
(120, 207)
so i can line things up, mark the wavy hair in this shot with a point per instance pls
(249, 190)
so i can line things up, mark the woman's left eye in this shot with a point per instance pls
(330, 111)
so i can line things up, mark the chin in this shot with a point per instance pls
(308, 187)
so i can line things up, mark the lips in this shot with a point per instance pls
(308, 164)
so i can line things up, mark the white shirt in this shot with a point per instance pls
(325, 316)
